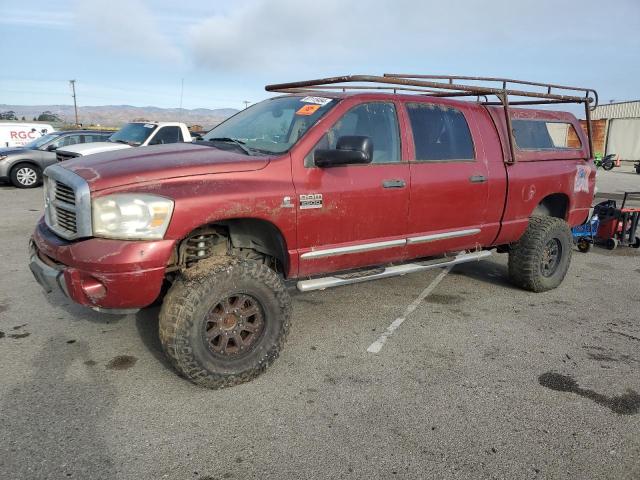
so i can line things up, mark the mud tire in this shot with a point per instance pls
(526, 256)
(192, 296)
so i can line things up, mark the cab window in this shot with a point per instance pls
(376, 120)
(71, 140)
(440, 133)
(167, 135)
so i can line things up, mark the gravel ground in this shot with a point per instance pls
(482, 380)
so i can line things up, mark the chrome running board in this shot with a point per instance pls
(336, 281)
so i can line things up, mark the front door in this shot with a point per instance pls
(353, 215)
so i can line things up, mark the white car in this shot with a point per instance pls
(134, 134)
(14, 134)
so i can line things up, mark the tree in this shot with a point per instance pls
(23, 118)
(8, 115)
(48, 116)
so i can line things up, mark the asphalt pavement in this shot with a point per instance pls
(480, 380)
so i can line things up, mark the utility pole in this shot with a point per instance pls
(73, 94)
(181, 95)
(246, 103)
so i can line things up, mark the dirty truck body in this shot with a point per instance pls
(232, 224)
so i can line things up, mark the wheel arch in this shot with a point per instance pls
(250, 233)
(553, 205)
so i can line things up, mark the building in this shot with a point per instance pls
(616, 129)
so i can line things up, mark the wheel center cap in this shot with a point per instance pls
(229, 321)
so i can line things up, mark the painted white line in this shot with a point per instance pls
(376, 346)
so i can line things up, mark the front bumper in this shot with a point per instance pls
(50, 277)
(100, 273)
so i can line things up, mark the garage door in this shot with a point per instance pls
(623, 138)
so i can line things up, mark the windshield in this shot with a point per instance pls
(133, 133)
(38, 142)
(272, 126)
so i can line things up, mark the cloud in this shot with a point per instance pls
(36, 18)
(293, 36)
(125, 26)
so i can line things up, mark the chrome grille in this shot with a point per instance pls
(67, 203)
(65, 193)
(66, 219)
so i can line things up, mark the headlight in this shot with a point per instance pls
(131, 216)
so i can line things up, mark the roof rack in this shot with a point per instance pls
(457, 86)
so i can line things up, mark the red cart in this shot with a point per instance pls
(618, 226)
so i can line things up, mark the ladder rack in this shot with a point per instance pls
(458, 86)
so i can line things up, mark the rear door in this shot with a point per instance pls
(449, 181)
(353, 215)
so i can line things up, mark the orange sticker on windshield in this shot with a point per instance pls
(308, 109)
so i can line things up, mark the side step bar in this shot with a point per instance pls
(336, 281)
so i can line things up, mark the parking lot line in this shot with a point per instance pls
(376, 346)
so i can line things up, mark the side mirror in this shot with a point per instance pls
(349, 150)
(52, 148)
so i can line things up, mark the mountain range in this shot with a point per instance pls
(116, 115)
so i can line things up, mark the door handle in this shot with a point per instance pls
(477, 179)
(393, 183)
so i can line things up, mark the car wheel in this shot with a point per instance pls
(225, 323)
(26, 175)
(541, 258)
(584, 246)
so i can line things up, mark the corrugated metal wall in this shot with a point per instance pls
(617, 110)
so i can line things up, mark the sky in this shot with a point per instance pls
(140, 52)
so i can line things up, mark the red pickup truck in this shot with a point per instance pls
(341, 180)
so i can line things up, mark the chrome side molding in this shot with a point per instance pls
(367, 247)
(442, 236)
(363, 247)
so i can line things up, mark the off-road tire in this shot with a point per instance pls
(189, 301)
(526, 256)
(23, 172)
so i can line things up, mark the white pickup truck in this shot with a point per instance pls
(134, 134)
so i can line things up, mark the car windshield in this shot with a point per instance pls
(38, 142)
(272, 126)
(133, 133)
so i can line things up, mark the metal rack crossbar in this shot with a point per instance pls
(454, 86)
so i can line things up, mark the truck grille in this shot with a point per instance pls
(67, 203)
(62, 156)
(64, 214)
(65, 193)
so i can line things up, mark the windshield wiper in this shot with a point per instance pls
(235, 141)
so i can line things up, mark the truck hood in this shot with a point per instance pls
(158, 162)
(94, 147)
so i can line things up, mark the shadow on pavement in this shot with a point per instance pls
(147, 326)
(487, 271)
